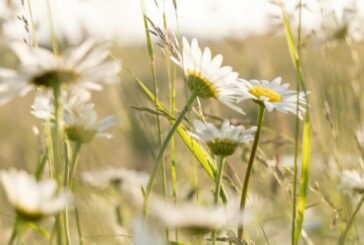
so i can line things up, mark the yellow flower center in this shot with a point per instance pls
(201, 85)
(272, 95)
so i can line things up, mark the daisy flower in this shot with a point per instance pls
(274, 95)
(31, 199)
(128, 181)
(119, 176)
(222, 141)
(206, 76)
(82, 68)
(80, 120)
(193, 217)
(352, 181)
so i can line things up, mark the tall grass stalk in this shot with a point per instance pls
(171, 73)
(250, 166)
(297, 130)
(306, 133)
(156, 93)
(183, 113)
(343, 235)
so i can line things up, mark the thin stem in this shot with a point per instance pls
(351, 221)
(34, 40)
(220, 170)
(156, 93)
(79, 231)
(163, 148)
(15, 233)
(74, 161)
(297, 128)
(250, 165)
(51, 29)
(56, 137)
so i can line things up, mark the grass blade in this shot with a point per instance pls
(306, 137)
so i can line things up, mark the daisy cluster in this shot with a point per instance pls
(63, 84)
(208, 78)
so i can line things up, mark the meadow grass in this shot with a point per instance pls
(294, 194)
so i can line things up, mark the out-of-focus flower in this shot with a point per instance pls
(205, 76)
(222, 141)
(125, 178)
(129, 182)
(80, 119)
(143, 235)
(82, 68)
(274, 95)
(31, 199)
(193, 217)
(351, 180)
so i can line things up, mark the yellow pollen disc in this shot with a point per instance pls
(272, 95)
(200, 84)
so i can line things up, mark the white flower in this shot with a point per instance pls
(351, 180)
(80, 119)
(195, 217)
(143, 235)
(359, 134)
(222, 141)
(205, 75)
(31, 199)
(274, 95)
(82, 68)
(128, 182)
(126, 178)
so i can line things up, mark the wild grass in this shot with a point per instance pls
(293, 171)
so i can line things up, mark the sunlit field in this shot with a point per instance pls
(176, 138)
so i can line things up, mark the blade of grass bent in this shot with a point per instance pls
(193, 145)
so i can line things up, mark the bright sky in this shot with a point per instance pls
(211, 19)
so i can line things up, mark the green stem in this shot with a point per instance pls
(250, 165)
(74, 161)
(163, 148)
(79, 231)
(351, 221)
(220, 170)
(297, 128)
(15, 233)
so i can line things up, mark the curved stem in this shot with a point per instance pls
(163, 148)
(351, 221)
(250, 165)
(74, 161)
(15, 233)
(221, 163)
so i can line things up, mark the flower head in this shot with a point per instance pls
(205, 76)
(129, 182)
(80, 119)
(119, 176)
(222, 141)
(193, 217)
(31, 199)
(274, 95)
(352, 181)
(82, 68)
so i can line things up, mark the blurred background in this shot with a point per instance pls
(250, 36)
